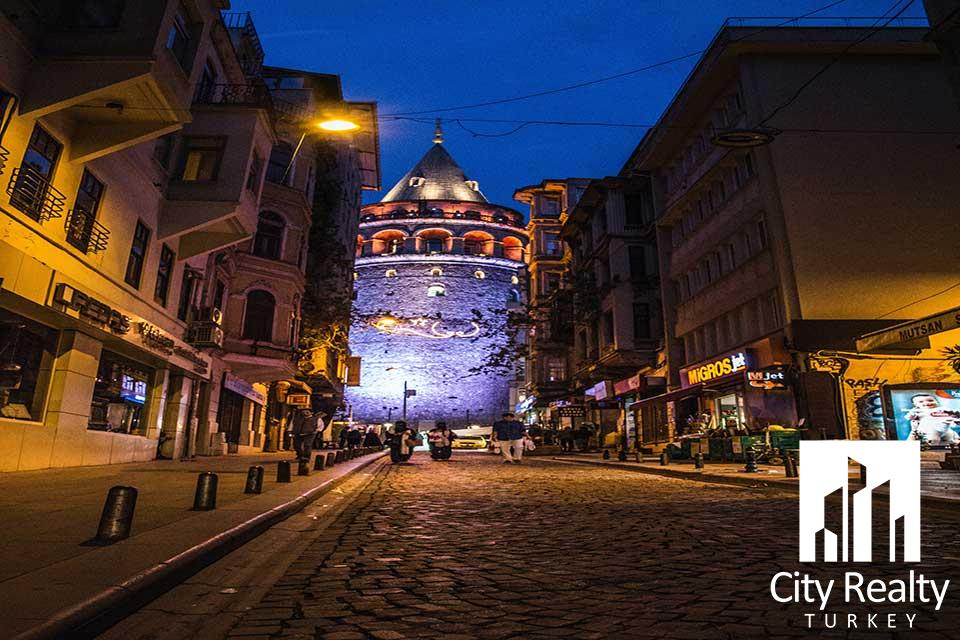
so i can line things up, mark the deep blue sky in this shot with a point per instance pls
(410, 56)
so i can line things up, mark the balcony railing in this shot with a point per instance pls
(403, 214)
(84, 232)
(4, 156)
(245, 40)
(239, 95)
(33, 194)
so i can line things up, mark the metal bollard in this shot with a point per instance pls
(283, 471)
(117, 517)
(606, 454)
(319, 462)
(205, 498)
(664, 459)
(303, 467)
(331, 459)
(254, 480)
(639, 457)
(751, 466)
(789, 466)
(339, 457)
(622, 455)
(698, 461)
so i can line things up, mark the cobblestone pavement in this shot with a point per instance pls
(475, 548)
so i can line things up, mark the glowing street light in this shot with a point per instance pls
(338, 125)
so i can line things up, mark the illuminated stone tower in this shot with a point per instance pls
(430, 256)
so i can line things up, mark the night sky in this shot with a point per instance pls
(413, 56)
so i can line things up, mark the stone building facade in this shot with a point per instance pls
(437, 269)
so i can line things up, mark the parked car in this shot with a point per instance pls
(470, 442)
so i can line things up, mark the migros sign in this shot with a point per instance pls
(719, 368)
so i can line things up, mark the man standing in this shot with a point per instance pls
(508, 432)
(304, 431)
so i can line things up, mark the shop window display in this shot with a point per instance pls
(119, 396)
(928, 414)
(27, 351)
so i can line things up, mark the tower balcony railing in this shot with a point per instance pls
(33, 194)
(451, 246)
(84, 232)
(435, 213)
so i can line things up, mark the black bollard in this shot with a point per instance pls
(639, 457)
(789, 466)
(622, 455)
(339, 458)
(117, 517)
(606, 454)
(283, 471)
(205, 498)
(303, 467)
(664, 459)
(331, 459)
(319, 462)
(751, 466)
(254, 480)
(698, 461)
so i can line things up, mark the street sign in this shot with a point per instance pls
(909, 331)
(298, 399)
(411, 392)
(572, 411)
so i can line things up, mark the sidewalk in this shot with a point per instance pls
(937, 485)
(49, 515)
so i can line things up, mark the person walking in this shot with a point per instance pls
(508, 433)
(304, 431)
(354, 438)
(566, 440)
(372, 439)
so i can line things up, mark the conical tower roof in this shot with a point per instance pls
(437, 176)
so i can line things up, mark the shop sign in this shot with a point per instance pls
(298, 399)
(66, 298)
(522, 407)
(600, 390)
(632, 383)
(353, 371)
(571, 411)
(243, 388)
(768, 379)
(909, 331)
(153, 338)
(720, 368)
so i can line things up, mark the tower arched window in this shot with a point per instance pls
(258, 319)
(436, 291)
(280, 159)
(391, 273)
(269, 239)
(514, 296)
(436, 272)
(479, 275)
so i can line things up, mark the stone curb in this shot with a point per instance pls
(92, 616)
(753, 483)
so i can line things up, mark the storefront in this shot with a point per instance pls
(240, 414)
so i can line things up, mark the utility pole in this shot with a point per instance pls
(404, 400)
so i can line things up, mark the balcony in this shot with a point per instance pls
(33, 194)
(246, 42)
(4, 156)
(84, 232)
(209, 214)
(112, 86)
(256, 96)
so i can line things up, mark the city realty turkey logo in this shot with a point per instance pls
(844, 521)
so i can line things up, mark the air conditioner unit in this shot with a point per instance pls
(210, 314)
(205, 334)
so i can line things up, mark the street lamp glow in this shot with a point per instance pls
(338, 125)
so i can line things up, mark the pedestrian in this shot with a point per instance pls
(319, 428)
(342, 438)
(508, 433)
(582, 437)
(566, 440)
(400, 440)
(441, 441)
(354, 438)
(304, 431)
(372, 439)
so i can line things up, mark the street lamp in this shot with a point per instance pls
(330, 124)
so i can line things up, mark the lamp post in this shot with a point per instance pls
(331, 124)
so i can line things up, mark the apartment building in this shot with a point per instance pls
(141, 310)
(776, 258)
(550, 338)
(616, 308)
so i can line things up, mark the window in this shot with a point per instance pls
(641, 321)
(436, 291)
(638, 262)
(683, 288)
(434, 245)
(201, 159)
(164, 275)
(269, 239)
(479, 275)
(280, 159)
(552, 245)
(188, 286)
(731, 253)
(119, 395)
(549, 207)
(514, 280)
(391, 273)
(27, 351)
(416, 181)
(394, 245)
(253, 177)
(179, 39)
(32, 184)
(219, 293)
(138, 255)
(436, 272)
(761, 234)
(82, 221)
(608, 328)
(258, 321)
(513, 296)
(551, 282)
(207, 84)
(556, 370)
(163, 150)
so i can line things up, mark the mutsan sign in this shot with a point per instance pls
(721, 367)
(909, 331)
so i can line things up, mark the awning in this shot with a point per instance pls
(679, 394)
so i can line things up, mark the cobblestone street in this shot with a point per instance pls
(475, 548)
